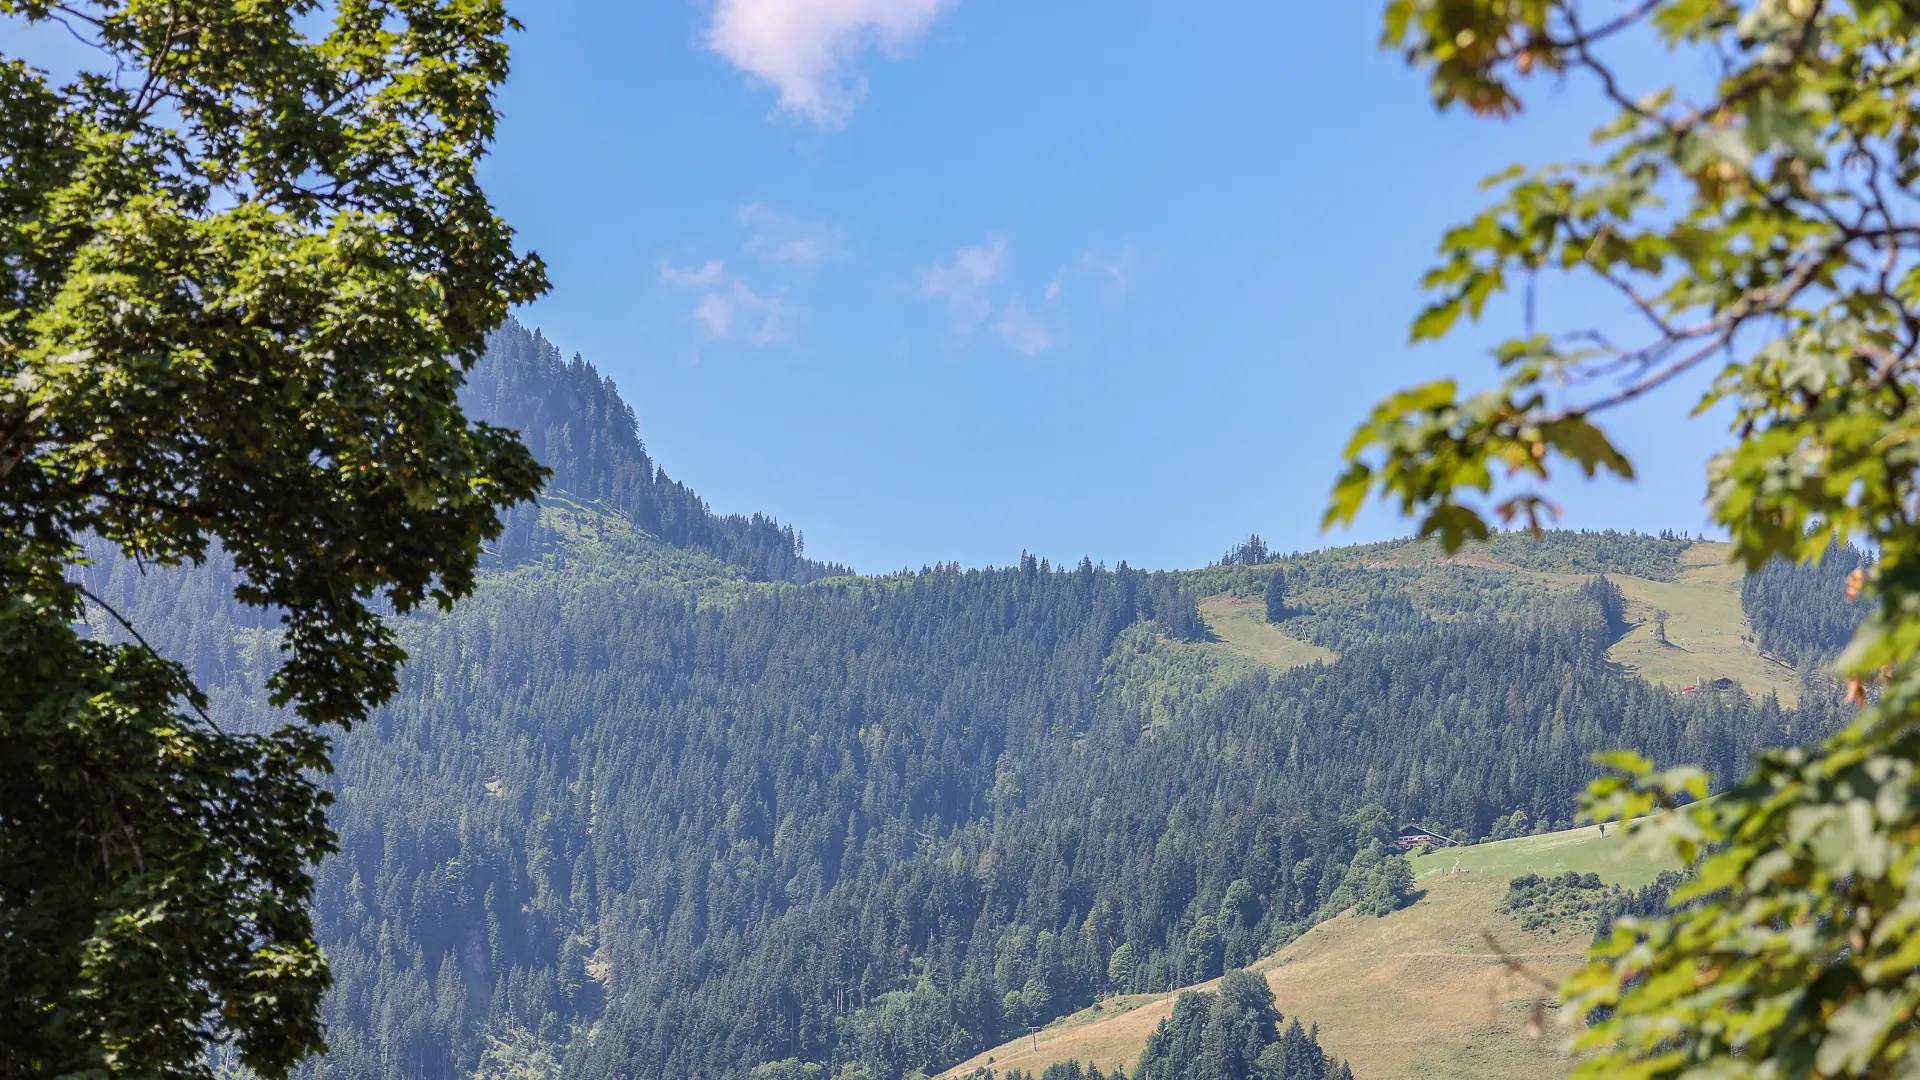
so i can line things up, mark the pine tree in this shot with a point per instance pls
(1277, 596)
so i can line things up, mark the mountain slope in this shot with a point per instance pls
(666, 798)
(881, 822)
(577, 425)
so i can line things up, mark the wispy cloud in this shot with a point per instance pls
(782, 238)
(967, 283)
(701, 277)
(1022, 332)
(728, 309)
(1116, 269)
(807, 49)
(963, 282)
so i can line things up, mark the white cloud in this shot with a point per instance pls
(963, 282)
(780, 238)
(806, 48)
(1116, 269)
(693, 278)
(729, 310)
(1022, 332)
(803, 250)
(967, 284)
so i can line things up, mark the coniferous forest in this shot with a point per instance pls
(1805, 613)
(668, 797)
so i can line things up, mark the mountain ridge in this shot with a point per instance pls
(577, 424)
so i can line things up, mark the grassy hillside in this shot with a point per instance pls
(1244, 633)
(1618, 859)
(1708, 636)
(1431, 992)
(1423, 992)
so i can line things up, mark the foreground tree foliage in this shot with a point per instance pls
(1765, 225)
(241, 273)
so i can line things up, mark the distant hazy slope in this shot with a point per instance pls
(577, 425)
(893, 821)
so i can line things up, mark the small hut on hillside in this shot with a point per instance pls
(1413, 836)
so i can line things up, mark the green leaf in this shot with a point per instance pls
(1454, 525)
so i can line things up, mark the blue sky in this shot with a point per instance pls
(949, 279)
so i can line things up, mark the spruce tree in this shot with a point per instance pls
(1277, 595)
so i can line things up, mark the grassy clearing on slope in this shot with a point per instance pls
(1243, 630)
(1707, 631)
(1618, 859)
(1708, 636)
(1422, 993)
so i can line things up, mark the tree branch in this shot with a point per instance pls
(127, 624)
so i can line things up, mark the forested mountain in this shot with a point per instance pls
(666, 798)
(577, 425)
